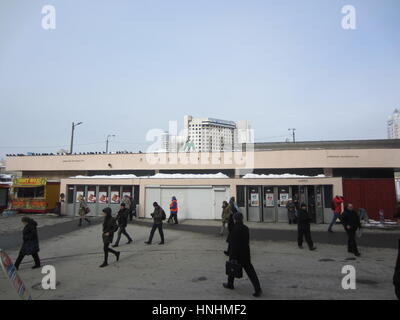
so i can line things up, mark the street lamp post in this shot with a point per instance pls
(293, 133)
(72, 135)
(109, 136)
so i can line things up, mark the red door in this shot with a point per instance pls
(372, 195)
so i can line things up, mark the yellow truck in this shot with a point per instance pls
(34, 195)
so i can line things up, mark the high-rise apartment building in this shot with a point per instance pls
(394, 125)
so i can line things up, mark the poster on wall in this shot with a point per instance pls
(103, 197)
(269, 200)
(283, 199)
(79, 194)
(126, 193)
(114, 196)
(254, 201)
(91, 196)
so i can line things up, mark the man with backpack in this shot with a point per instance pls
(122, 220)
(158, 218)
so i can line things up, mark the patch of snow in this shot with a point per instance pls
(275, 176)
(218, 175)
(115, 176)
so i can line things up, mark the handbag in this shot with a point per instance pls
(234, 269)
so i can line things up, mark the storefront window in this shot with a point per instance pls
(31, 192)
(283, 193)
(80, 191)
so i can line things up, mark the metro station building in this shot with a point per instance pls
(363, 171)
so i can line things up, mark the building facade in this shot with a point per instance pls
(310, 172)
(394, 125)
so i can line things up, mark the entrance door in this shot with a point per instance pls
(269, 204)
(220, 195)
(253, 204)
(283, 198)
(319, 204)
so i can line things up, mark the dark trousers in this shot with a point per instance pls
(80, 221)
(160, 230)
(122, 230)
(303, 231)
(107, 249)
(251, 273)
(21, 256)
(173, 217)
(351, 243)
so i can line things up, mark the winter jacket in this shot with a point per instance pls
(30, 238)
(351, 219)
(158, 215)
(122, 217)
(291, 207)
(109, 226)
(173, 206)
(303, 218)
(226, 213)
(82, 207)
(127, 202)
(337, 204)
(239, 248)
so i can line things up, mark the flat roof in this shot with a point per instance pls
(332, 144)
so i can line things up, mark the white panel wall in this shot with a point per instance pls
(193, 202)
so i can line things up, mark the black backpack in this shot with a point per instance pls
(163, 216)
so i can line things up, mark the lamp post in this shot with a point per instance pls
(72, 135)
(293, 133)
(109, 136)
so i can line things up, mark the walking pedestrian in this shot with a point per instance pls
(303, 227)
(173, 208)
(336, 209)
(233, 209)
(109, 227)
(226, 213)
(396, 276)
(240, 252)
(127, 201)
(158, 217)
(132, 209)
(122, 221)
(30, 245)
(83, 210)
(351, 223)
(291, 210)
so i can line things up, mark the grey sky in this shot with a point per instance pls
(125, 67)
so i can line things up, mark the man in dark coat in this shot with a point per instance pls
(30, 245)
(122, 220)
(396, 276)
(233, 209)
(351, 222)
(303, 227)
(158, 217)
(239, 250)
(109, 227)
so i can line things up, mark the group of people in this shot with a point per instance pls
(238, 234)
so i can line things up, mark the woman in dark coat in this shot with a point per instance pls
(30, 245)
(109, 227)
(239, 250)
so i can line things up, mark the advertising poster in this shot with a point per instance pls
(79, 194)
(254, 201)
(12, 275)
(91, 196)
(269, 200)
(103, 198)
(114, 196)
(126, 193)
(284, 198)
